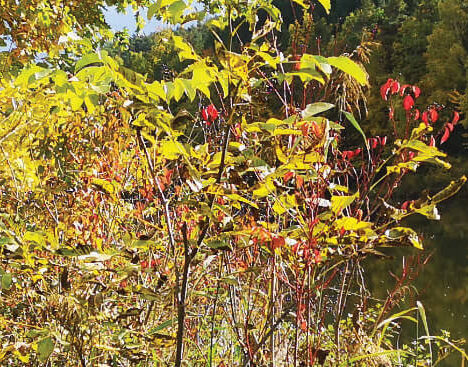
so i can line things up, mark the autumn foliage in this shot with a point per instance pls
(192, 221)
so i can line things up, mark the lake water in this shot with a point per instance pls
(442, 284)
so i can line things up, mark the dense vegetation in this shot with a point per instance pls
(206, 195)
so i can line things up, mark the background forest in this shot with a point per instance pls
(258, 183)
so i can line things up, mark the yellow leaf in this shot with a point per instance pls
(326, 4)
(338, 203)
(172, 149)
(348, 66)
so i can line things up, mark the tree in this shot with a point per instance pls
(32, 27)
(447, 52)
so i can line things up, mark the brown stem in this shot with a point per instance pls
(188, 256)
(268, 334)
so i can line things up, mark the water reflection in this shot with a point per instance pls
(442, 284)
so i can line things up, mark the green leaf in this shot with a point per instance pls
(220, 244)
(429, 211)
(422, 312)
(449, 191)
(190, 91)
(7, 281)
(179, 89)
(162, 326)
(45, 348)
(156, 90)
(316, 108)
(353, 121)
(348, 66)
(175, 10)
(152, 9)
(186, 51)
(402, 233)
(87, 60)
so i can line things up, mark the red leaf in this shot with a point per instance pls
(425, 118)
(385, 88)
(317, 257)
(394, 87)
(287, 176)
(209, 114)
(347, 154)
(316, 129)
(456, 117)
(416, 114)
(450, 126)
(445, 136)
(434, 115)
(277, 241)
(416, 91)
(357, 151)
(432, 142)
(204, 114)
(299, 182)
(408, 103)
(212, 112)
(383, 141)
(373, 142)
(403, 88)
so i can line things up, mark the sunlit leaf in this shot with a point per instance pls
(326, 4)
(86, 60)
(404, 233)
(348, 66)
(316, 108)
(45, 347)
(338, 203)
(449, 191)
(7, 280)
(164, 325)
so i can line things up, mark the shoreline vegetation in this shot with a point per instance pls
(209, 196)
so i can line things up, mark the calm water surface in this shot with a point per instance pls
(442, 284)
